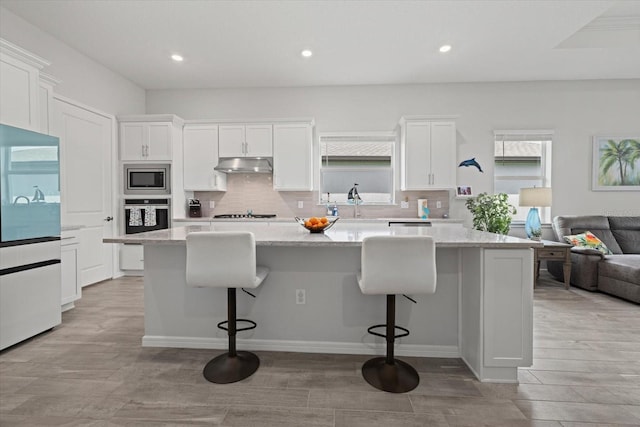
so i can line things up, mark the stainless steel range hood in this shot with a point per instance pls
(244, 165)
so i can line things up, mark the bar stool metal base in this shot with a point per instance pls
(399, 377)
(226, 369)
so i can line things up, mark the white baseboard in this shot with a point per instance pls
(67, 306)
(302, 346)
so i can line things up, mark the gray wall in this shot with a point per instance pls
(576, 110)
(82, 79)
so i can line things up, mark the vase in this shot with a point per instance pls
(532, 225)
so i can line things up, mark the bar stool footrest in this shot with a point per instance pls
(405, 331)
(247, 328)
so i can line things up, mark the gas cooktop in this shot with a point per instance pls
(245, 216)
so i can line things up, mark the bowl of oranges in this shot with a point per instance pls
(317, 224)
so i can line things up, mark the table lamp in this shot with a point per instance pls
(534, 197)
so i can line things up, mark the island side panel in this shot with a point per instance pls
(333, 320)
(496, 312)
(471, 309)
(508, 313)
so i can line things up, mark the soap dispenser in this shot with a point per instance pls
(332, 208)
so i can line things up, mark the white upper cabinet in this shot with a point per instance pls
(427, 154)
(246, 140)
(292, 157)
(200, 145)
(47, 83)
(147, 137)
(443, 154)
(145, 141)
(20, 87)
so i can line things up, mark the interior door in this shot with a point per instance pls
(86, 176)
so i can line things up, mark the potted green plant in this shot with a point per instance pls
(491, 212)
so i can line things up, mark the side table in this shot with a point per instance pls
(555, 251)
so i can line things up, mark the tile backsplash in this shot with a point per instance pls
(255, 192)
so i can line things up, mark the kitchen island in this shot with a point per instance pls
(482, 310)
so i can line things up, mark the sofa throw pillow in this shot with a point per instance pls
(588, 240)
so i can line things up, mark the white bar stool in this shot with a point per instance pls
(220, 259)
(395, 265)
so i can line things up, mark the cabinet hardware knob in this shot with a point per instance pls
(109, 218)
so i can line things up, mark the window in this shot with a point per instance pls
(31, 172)
(522, 159)
(365, 158)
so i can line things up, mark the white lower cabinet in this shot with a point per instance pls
(71, 289)
(132, 257)
(29, 291)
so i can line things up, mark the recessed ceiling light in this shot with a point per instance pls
(306, 53)
(445, 48)
(177, 58)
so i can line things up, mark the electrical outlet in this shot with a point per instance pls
(300, 204)
(404, 205)
(301, 296)
(438, 204)
(212, 204)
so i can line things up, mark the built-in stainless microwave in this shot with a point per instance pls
(146, 179)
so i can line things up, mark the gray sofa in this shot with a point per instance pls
(617, 274)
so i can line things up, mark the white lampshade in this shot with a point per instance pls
(536, 196)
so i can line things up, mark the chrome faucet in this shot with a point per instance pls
(353, 195)
(15, 201)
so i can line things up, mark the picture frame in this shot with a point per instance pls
(463, 191)
(616, 163)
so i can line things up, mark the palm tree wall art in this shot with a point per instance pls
(616, 163)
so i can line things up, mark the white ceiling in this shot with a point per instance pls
(258, 43)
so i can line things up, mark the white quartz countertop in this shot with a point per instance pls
(71, 227)
(206, 220)
(342, 234)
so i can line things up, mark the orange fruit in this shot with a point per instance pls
(313, 220)
(324, 220)
(307, 223)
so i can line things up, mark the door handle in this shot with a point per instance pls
(109, 218)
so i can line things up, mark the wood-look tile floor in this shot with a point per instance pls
(92, 371)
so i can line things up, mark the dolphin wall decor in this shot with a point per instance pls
(471, 162)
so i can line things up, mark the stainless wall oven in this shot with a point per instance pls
(143, 179)
(142, 215)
